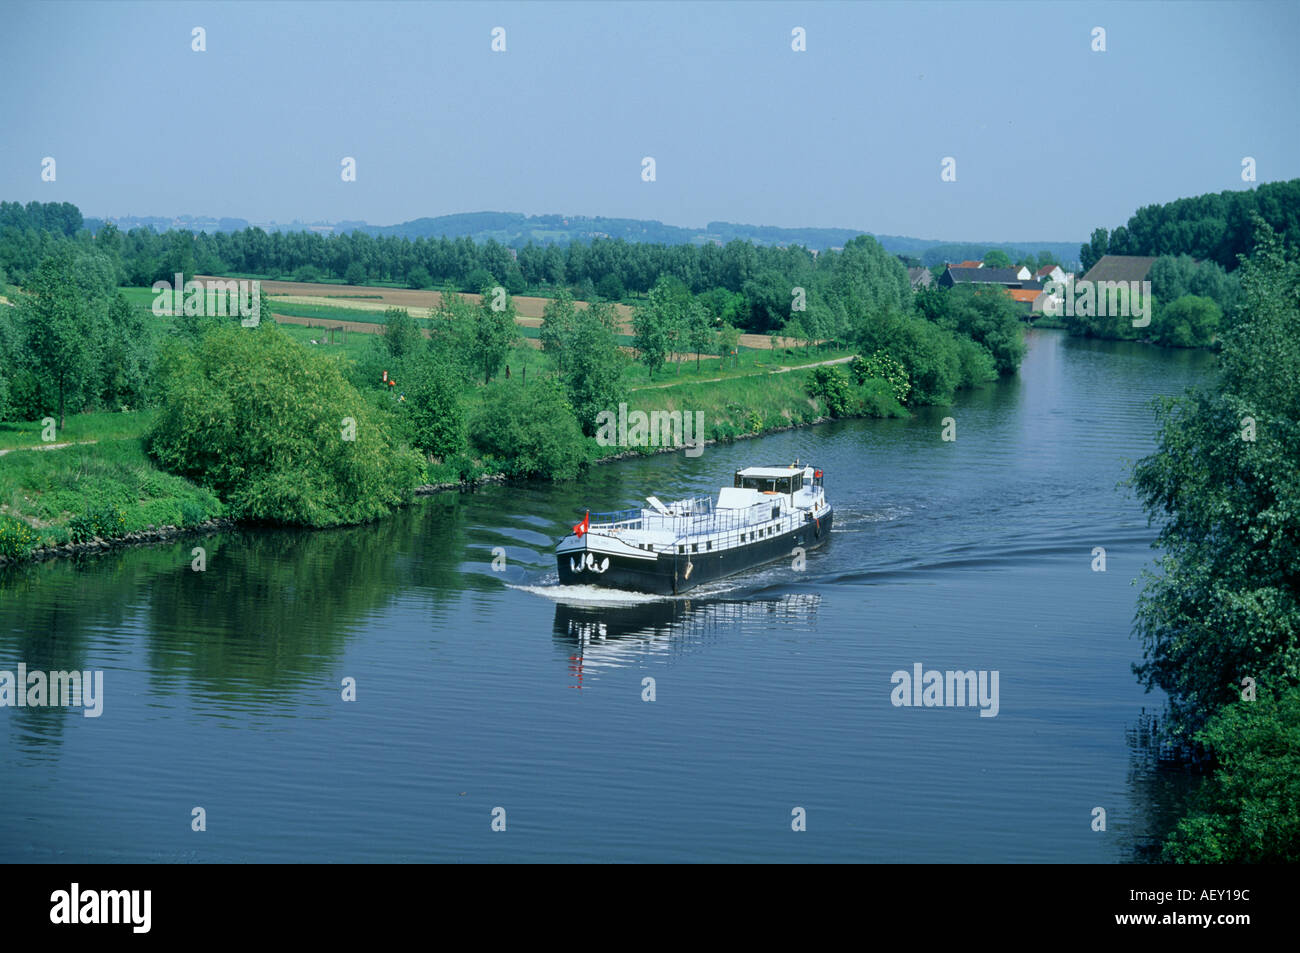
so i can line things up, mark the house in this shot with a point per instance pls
(955, 274)
(966, 264)
(1023, 273)
(1120, 268)
(920, 278)
(1051, 273)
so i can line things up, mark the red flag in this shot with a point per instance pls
(583, 526)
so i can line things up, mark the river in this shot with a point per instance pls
(478, 689)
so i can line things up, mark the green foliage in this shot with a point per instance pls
(656, 323)
(530, 431)
(477, 280)
(277, 431)
(989, 318)
(192, 513)
(101, 522)
(1225, 485)
(997, 258)
(355, 273)
(556, 332)
(419, 278)
(594, 377)
(727, 343)
(495, 332)
(1187, 322)
(434, 409)
(16, 538)
(57, 319)
(927, 352)
(1248, 810)
(832, 385)
(880, 366)
(401, 336)
(610, 287)
(1172, 277)
(1217, 227)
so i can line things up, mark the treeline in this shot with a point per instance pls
(1212, 227)
(1220, 621)
(746, 286)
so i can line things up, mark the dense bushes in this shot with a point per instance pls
(1248, 810)
(530, 430)
(277, 431)
(72, 341)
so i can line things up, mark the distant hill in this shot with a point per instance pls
(516, 230)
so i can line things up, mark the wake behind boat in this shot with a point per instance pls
(668, 549)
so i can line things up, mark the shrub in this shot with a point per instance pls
(832, 385)
(277, 431)
(881, 366)
(530, 430)
(103, 522)
(192, 514)
(17, 539)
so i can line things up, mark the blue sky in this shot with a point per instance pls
(1051, 139)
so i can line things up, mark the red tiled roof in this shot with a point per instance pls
(1045, 270)
(1024, 294)
(967, 264)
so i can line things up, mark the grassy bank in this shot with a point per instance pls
(101, 483)
(106, 490)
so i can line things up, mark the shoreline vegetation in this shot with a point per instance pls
(200, 513)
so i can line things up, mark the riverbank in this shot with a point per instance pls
(102, 491)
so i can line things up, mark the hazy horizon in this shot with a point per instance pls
(1050, 138)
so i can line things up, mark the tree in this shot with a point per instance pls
(1248, 810)
(699, 330)
(401, 336)
(1189, 321)
(1224, 483)
(127, 349)
(434, 408)
(530, 431)
(594, 379)
(495, 331)
(1091, 253)
(654, 325)
(57, 318)
(276, 430)
(727, 343)
(557, 326)
(611, 287)
(355, 274)
(996, 258)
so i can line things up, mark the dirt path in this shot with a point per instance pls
(50, 446)
(779, 370)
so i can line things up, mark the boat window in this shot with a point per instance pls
(695, 547)
(709, 545)
(765, 484)
(681, 549)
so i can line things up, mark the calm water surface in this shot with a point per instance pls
(479, 689)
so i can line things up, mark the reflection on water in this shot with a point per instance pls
(601, 636)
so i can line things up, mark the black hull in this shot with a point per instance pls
(670, 574)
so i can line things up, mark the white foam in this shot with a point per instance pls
(590, 595)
